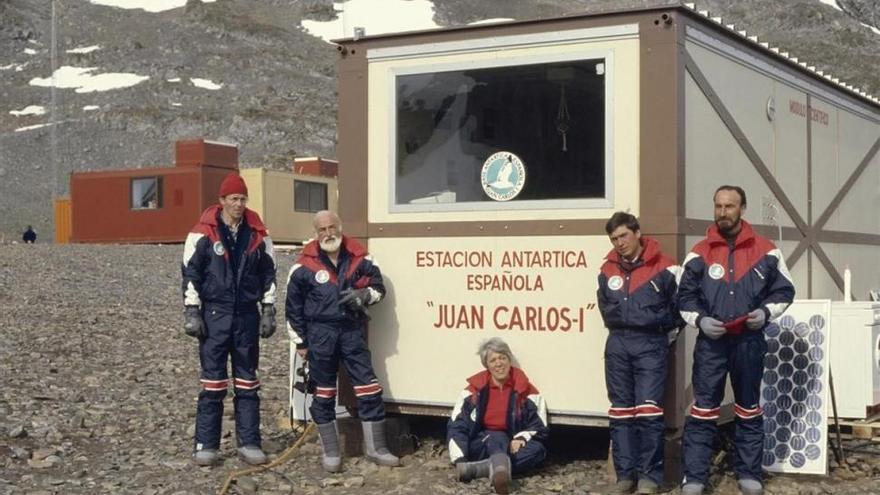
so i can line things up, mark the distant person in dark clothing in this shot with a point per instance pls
(29, 236)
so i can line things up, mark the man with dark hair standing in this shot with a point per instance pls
(637, 285)
(328, 290)
(734, 282)
(228, 276)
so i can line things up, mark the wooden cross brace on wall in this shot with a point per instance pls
(812, 233)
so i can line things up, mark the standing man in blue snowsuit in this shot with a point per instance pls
(229, 296)
(733, 284)
(637, 285)
(328, 290)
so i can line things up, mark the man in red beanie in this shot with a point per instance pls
(228, 276)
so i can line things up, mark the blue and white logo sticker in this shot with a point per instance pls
(503, 176)
(716, 271)
(219, 250)
(615, 282)
(322, 277)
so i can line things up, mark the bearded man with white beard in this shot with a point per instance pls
(328, 290)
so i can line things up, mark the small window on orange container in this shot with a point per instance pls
(146, 193)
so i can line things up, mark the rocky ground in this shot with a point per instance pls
(99, 386)
(278, 94)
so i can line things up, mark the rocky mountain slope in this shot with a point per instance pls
(275, 83)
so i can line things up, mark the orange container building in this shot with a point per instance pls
(150, 204)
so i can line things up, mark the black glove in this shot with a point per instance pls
(354, 300)
(193, 325)
(267, 322)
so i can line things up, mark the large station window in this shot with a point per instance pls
(518, 133)
(146, 193)
(309, 197)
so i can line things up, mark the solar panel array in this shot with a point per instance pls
(794, 390)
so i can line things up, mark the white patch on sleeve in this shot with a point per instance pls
(191, 296)
(690, 317)
(460, 403)
(375, 296)
(526, 435)
(780, 265)
(370, 258)
(687, 259)
(293, 335)
(454, 451)
(270, 247)
(776, 309)
(676, 272)
(541, 406)
(269, 296)
(189, 247)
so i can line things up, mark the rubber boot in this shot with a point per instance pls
(376, 449)
(647, 487)
(623, 487)
(206, 457)
(692, 488)
(499, 468)
(748, 486)
(252, 455)
(468, 471)
(331, 460)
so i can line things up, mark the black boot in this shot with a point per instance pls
(499, 468)
(468, 471)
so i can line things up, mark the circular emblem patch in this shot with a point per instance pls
(322, 277)
(219, 250)
(503, 176)
(716, 271)
(615, 282)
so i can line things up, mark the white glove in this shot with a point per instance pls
(756, 320)
(712, 328)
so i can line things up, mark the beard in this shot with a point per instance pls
(727, 225)
(331, 244)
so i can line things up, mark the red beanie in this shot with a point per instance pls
(233, 184)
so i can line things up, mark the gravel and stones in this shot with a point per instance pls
(99, 389)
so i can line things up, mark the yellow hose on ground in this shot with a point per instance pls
(278, 461)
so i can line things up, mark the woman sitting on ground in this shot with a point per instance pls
(499, 424)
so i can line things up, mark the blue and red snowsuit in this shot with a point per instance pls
(228, 277)
(330, 333)
(725, 280)
(637, 303)
(526, 419)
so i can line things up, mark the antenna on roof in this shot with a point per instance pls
(53, 120)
